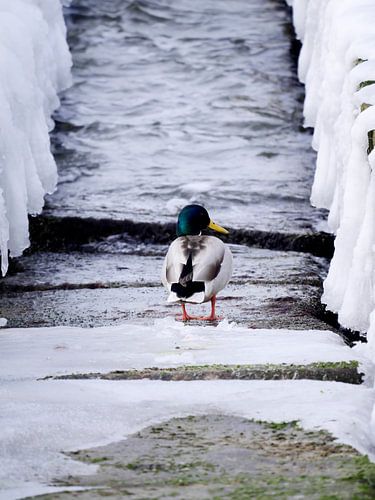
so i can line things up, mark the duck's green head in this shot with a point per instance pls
(193, 219)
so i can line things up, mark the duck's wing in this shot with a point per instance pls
(207, 254)
(174, 262)
(220, 281)
(197, 259)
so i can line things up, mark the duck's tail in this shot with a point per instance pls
(196, 298)
(187, 290)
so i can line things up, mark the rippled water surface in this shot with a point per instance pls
(180, 101)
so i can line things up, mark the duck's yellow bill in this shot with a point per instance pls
(217, 228)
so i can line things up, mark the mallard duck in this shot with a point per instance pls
(196, 266)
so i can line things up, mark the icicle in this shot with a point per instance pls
(35, 63)
(358, 300)
(337, 65)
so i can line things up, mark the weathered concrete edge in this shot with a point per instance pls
(53, 233)
(343, 371)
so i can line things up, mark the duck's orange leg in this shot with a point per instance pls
(212, 317)
(185, 316)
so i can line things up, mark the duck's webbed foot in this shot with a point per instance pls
(212, 317)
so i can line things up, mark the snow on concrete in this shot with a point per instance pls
(34, 66)
(39, 352)
(42, 418)
(337, 65)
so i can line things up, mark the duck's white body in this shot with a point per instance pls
(196, 268)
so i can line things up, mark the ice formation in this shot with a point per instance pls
(337, 65)
(35, 65)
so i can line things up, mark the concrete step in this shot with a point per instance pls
(343, 371)
(117, 279)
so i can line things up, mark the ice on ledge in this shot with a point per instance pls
(337, 65)
(34, 66)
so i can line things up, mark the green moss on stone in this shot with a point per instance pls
(97, 460)
(342, 371)
(366, 83)
(279, 426)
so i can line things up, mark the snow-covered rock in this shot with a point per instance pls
(337, 65)
(34, 66)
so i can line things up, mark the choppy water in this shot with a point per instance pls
(184, 100)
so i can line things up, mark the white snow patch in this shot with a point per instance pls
(34, 66)
(38, 352)
(42, 418)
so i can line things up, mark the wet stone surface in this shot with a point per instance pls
(107, 284)
(224, 457)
